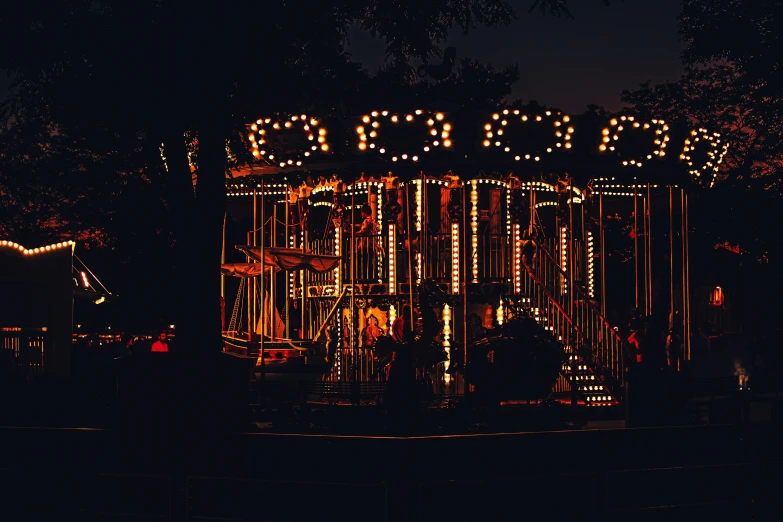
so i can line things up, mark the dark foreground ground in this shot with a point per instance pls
(147, 447)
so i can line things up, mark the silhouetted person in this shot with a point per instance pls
(674, 342)
(160, 345)
(332, 339)
(401, 381)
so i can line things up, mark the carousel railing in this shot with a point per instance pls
(326, 247)
(436, 262)
(600, 343)
(365, 258)
(492, 258)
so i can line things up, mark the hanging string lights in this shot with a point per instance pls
(496, 131)
(34, 251)
(259, 134)
(618, 125)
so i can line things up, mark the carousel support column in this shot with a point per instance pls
(466, 383)
(303, 286)
(572, 340)
(261, 390)
(410, 255)
(671, 252)
(649, 247)
(645, 282)
(687, 275)
(352, 344)
(636, 245)
(603, 251)
(273, 279)
(423, 239)
(289, 275)
(252, 313)
(223, 259)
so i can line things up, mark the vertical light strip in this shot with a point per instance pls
(474, 229)
(392, 256)
(590, 266)
(392, 315)
(455, 258)
(338, 356)
(379, 205)
(446, 339)
(508, 209)
(292, 244)
(418, 229)
(564, 256)
(337, 282)
(517, 260)
(418, 204)
(500, 314)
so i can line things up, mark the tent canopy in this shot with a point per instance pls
(287, 259)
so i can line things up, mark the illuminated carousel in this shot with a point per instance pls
(526, 235)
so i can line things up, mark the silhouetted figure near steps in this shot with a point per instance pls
(645, 382)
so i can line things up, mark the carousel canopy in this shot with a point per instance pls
(286, 259)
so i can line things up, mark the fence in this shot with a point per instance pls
(24, 348)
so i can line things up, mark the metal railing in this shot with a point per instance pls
(596, 338)
(26, 347)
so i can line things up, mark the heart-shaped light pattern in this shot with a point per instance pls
(313, 127)
(715, 154)
(618, 125)
(368, 131)
(495, 130)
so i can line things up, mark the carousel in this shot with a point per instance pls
(498, 254)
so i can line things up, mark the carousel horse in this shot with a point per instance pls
(403, 353)
(522, 361)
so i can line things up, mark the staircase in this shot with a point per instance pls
(593, 372)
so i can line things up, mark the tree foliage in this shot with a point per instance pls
(721, 99)
(745, 32)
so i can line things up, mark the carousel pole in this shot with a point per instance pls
(671, 254)
(352, 343)
(223, 259)
(410, 255)
(273, 278)
(288, 275)
(251, 283)
(261, 291)
(423, 232)
(572, 341)
(466, 384)
(686, 290)
(645, 268)
(603, 250)
(649, 246)
(636, 245)
(303, 284)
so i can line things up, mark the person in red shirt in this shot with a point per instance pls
(160, 346)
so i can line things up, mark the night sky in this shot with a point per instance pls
(566, 63)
